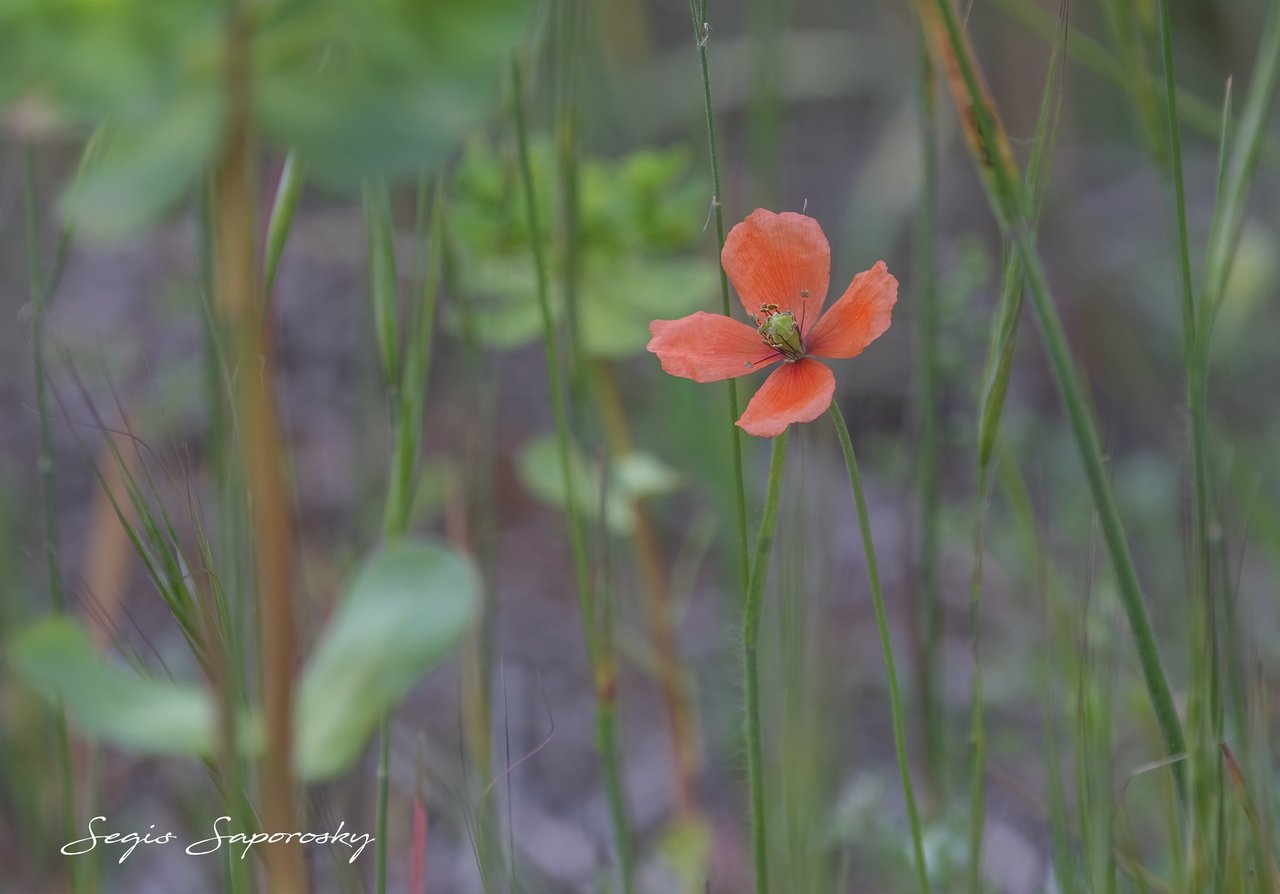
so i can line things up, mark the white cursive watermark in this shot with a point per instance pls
(222, 835)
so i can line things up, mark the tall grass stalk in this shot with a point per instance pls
(571, 16)
(767, 24)
(39, 293)
(750, 660)
(385, 300)
(568, 17)
(929, 458)
(238, 297)
(989, 146)
(1239, 158)
(672, 673)
(1202, 717)
(886, 645)
(602, 662)
(478, 442)
(999, 367)
(407, 391)
(1093, 56)
(702, 36)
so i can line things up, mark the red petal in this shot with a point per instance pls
(861, 315)
(779, 259)
(794, 392)
(708, 347)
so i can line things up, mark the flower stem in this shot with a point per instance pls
(701, 34)
(750, 639)
(877, 597)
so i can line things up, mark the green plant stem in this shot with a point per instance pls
(1008, 201)
(52, 542)
(407, 392)
(39, 303)
(750, 640)
(672, 673)
(606, 678)
(569, 16)
(886, 643)
(598, 656)
(1179, 192)
(701, 35)
(1092, 55)
(238, 297)
(929, 458)
(977, 704)
(1204, 653)
(384, 794)
(995, 387)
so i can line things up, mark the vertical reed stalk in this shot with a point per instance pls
(999, 366)
(702, 35)
(1206, 782)
(994, 161)
(672, 674)
(599, 654)
(750, 641)
(886, 644)
(238, 298)
(929, 459)
(48, 494)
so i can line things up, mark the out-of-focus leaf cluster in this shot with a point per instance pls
(407, 608)
(632, 477)
(357, 87)
(637, 219)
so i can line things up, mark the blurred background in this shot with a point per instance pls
(405, 112)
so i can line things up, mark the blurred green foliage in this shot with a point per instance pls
(407, 608)
(631, 477)
(637, 217)
(108, 701)
(358, 89)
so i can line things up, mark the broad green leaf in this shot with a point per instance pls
(142, 172)
(504, 304)
(619, 301)
(406, 609)
(632, 477)
(107, 702)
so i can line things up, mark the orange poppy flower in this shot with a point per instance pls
(780, 265)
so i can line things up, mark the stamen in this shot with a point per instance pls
(750, 363)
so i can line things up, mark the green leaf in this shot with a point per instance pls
(635, 476)
(505, 307)
(356, 89)
(620, 300)
(108, 702)
(144, 171)
(407, 608)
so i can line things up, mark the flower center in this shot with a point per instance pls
(779, 331)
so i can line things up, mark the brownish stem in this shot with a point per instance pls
(672, 678)
(239, 302)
